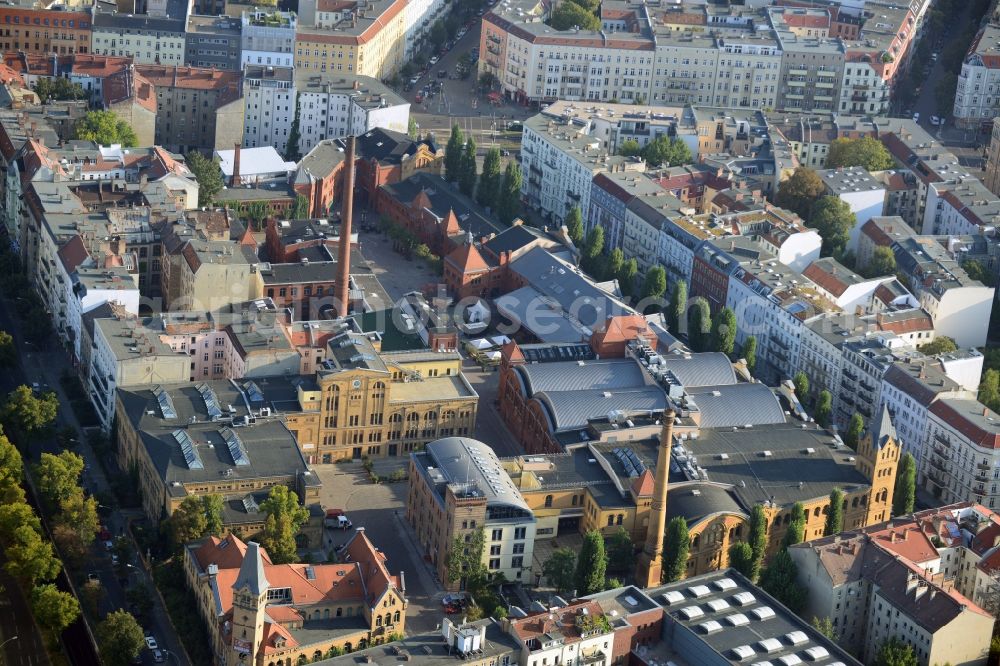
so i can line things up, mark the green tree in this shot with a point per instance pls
(456, 560)
(654, 287)
(833, 220)
(29, 557)
(895, 652)
(977, 271)
(780, 580)
(574, 225)
(621, 552)
(59, 477)
(866, 152)
(438, 34)
(79, 514)
(824, 408)
(758, 539)
(591, 564)
(699, 325)
(835, 516)
(59, 88)
(106, 128)
(412, 130)
(615, 262)
(592, 248)
(284, 518)
(796, 531)
(741, 558)
(989, 389)
(11, 472)
(825, 627)
(208, 174)
(196, 517)
(724, 331)
(749, 352)
(8, 352)
(54, 609)
(140, 599)
(906, 486)
(452, 24)
(467, 175)
(28, 414)
(509, 205)
(799, 191)
(676, 546)
(626, 277)
(14, 516)
(453, 154)
(854, 429)
(942, 345)
(292, 153)
(300, 209)
(629, 148)
(568, 15)
(801, 383)
(490, 181)
(120, 638)
(677, 314)
(666, 151)
(883, 263)
(560, 569)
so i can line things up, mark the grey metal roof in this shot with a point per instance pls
(607, 375)
(803, 463)
(707, 369)
(251, 574)
(468, 462)
(568, 410)
(737, 405)
(527, 307)
(696, 501)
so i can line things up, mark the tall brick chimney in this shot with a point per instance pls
(346, 211)
(235, 180)
(650, 567)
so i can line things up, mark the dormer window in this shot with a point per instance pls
(279, 641)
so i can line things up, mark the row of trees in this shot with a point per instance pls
(500, 191)
(663, 151)
(576, 14)
(587, 572)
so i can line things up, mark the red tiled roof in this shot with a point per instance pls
(467, 259)
(622, 328)
(534, 626)
(643, 485)
(827, 281)
(98, 66)
(804, 20)
(73, 253)
(967, 428)
(224, 553)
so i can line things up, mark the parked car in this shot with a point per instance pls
(419, 98)
(433, 60)
(93, 578)
(443, 74)
(916, 117)
(151, 642)
(515, 126)
(505, 153)
(158, 657)
(936, 120)
(337, 519)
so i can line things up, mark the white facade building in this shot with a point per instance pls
(269, 106)
(858, 189)
(961, 461)
(267, 39)
(977, 96)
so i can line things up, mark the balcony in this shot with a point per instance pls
(823, 98)
(983, 466)
(826, 73)
(852, 377)
(594, 658)
(798, 72)
(859, 97)
(795, 83)
(824, 84)
(941, 440)
(939, 464)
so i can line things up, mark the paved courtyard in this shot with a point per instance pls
(379, 509)
(397, 275)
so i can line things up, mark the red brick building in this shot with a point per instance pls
(292, 240)
(382, 157)
(43, 31)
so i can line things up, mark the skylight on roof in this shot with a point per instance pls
(211, 401)
(166, 404)
(817, 652)
(691, 612)
(744, 598)
(191, 457)
(236, 449)
(763, 613)
(738, 620)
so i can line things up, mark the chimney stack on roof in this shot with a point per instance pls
(347, 196)
(235, 181)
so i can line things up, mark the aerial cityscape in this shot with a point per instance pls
(505, 332)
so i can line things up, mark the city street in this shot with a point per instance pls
(45, 367)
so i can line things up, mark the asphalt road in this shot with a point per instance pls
(44, 367)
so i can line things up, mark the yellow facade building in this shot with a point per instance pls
(366, 38)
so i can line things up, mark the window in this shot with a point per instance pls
(518, 548)
(520, 532)
(495, 563)
(497, 535)
(494, 550)
(548, 501)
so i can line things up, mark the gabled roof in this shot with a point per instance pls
(467, 259)
(73, 254)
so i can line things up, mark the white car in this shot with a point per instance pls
(937, 121)
(158, 657)
(434, 60)
(151, 643)
(916, 117)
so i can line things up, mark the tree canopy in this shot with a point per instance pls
(989, 389)
(665, 151)
(675, 550)
(883, 263)
(758, 539)
(833, 220)
(780, 580)
(621, 552)
(796, 531)
(59, 476)
(749, 352)
(560, 569)
(942, 345)
(824, 408)
(655, 285)
(852, 436)
(196, 517)
(208, 174)
(866, 152)
(453, 154)
(800, 191)
(629, 148)
(120, 638)
(677, 313)
(724, 331)
(591, 564)
(741, 558)
(801, 383)
(835, 516)
(574, 225)
(106, 128)
(627, 275)
(895, 652)
(59, 88)
(467, 175)
(27, 413)
(490, 181)
(54, 609)
(903, 495)
(977, 271)
(509, 203)
(29, 557)
(699, 324)
(568, 15)
(284, 518)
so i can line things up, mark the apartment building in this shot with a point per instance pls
(860, 191)
(212, 41)
(610, 195)
(887, 582)
(977, 96)
(269, 98)
(579, 632)
(459, 488)
(146, 38)
(336, 105)
(196, 109)
(418, 18)
(267, 38)
(43, 32)
(366, 37)
(960, 462)
(992, 181)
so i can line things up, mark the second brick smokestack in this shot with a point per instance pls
(235, 181)
(346, 211)
(650, 565)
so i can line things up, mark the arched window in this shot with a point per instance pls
(619, 519)
(696, 541)
(326, 613)
(340, 612)
(816, 512)
(854, 503)
(378, 620)
(395, 618)
(548, 501)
